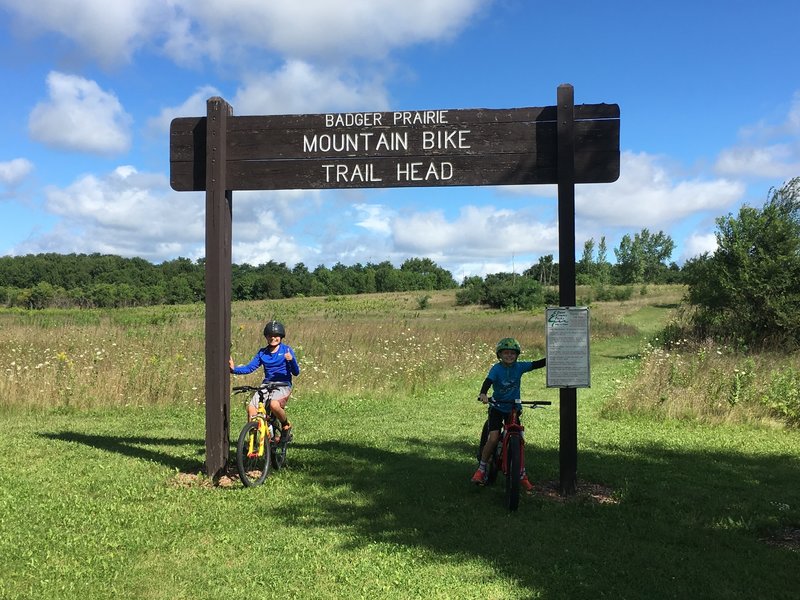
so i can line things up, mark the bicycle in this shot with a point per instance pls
(261, 443)
(509, 455)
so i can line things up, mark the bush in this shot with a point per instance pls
(783, 395)
(748, 291)
(519, 293)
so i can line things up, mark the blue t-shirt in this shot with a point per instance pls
(506, 381)
(276, 367)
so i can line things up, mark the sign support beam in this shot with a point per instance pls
(219, 204)
(568, 405)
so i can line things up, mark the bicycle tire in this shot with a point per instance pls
(278, 451)
(512, 474)
(252, 470)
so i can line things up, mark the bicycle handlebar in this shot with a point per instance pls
(525, 402)
(270, 385)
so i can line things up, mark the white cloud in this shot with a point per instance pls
(188, 30)
(299, 87)
(320, 29)
(777, 161)
(648, 195)
(375, 218)
(80, 116)
(477, 231)
(280, 248)
(125, 213)
(193, 106)
(766, 150)
(14, 171)
(109, 32)
(698, 243)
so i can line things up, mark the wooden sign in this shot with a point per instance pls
(398, 149)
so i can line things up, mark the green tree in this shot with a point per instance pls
(585, 269)
(641, 259)
(748, 290)
(545, 271)
(603, 268)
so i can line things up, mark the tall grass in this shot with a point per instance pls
(155, 356)
(713, 383)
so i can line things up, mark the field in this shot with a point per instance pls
(101, 494)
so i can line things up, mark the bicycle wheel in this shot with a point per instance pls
(253, 466)
(512, 474)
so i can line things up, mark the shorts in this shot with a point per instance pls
(497, 418)
(281, 395)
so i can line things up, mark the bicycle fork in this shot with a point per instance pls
(255, 445)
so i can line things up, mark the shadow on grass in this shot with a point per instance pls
(687, 525)
(140, 447)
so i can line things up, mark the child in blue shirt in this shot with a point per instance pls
(504, 378)
(280, 364)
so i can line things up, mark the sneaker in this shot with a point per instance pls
(479, 478)
(287, 431)
(525, 483)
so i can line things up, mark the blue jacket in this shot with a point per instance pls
(276, 367)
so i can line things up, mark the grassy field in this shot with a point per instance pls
(103, 438)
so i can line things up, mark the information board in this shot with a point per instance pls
(567, 341)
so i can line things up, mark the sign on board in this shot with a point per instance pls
(398, 149)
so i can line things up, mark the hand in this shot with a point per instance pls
(288, 356)
(483, 398)
(230, 363)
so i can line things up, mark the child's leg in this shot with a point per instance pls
(278, 404)
(490, 445)
(252, 407)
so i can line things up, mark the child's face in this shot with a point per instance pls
(508, 356)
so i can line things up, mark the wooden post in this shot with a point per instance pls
(568, 405)
(219, 202)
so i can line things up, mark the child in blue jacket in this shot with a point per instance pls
(280, 364)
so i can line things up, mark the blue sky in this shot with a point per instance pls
(709, 94)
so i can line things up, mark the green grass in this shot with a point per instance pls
(375, 501)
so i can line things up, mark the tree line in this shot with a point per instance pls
(38, 281)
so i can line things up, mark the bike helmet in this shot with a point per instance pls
(507, 344)
(274, 328)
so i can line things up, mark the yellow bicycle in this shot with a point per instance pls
(261, 444)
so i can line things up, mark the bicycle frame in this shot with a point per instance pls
(512, 427)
